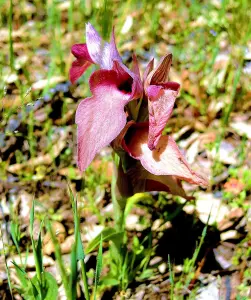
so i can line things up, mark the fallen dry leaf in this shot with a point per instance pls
(41, 84)
(242, 128)
(234, 215)
(210, 209)
(60, 234)
(224, 254)
(30, 261)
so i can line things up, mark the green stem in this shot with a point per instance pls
(70, 16)
(235, 83)
(119, 191)
(117, 207)
(84, 278)
(11, 51)
(60, 263)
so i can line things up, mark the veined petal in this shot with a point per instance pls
(161, 99)
(101, 117)
(166, 159)
(148, 69)
(160, 73)
(82, 62)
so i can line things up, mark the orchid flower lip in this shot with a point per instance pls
(165, 159)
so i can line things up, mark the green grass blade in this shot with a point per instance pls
(32, 217)
(195, 255)
(6, 266)
(230, 107)
(13, 231)
(78, 249)
(74, 272)
(34, 248)
(58, 255)
(108, 234)
(107, 18)
(70, 16)
(171, 278)
(21, 274)
(98, 267)
(39, 252)
(11, 50)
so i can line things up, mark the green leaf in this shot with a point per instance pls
(109, 281)
(80, 250)
(14, 234)
(133, 200)
(39, 252)
(51, 287)
(147, 273)
(108, 234)
(78, 243)
(21, 274)
(98, 267)
(74, 271)
(34, 288)
(32, 216)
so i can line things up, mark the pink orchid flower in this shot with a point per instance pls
(101, 117)
(156, 162)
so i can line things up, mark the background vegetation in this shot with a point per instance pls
(51, 217)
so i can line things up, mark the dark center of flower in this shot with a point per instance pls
(126, 86)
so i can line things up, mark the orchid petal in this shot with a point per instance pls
(168, 184)
(94, 43)
(101, 117)
(161, 99)
(144, 181)
(135, 65)
(82, 62)
(81, 51)
(148, 69)
(102, 53)
(166, 159)
(117, 144)
(160, 73)
(114, 54)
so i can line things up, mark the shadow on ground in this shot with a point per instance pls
(181, 239)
